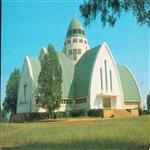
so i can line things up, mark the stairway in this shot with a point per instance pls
(120, 113)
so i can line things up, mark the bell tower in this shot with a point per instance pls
(76, 43)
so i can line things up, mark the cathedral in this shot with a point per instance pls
(91, 77)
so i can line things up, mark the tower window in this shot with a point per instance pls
(74, 31)
(81, 40)
(70, 52)
(83, 32)
(79, 31)
(74, 57)
(64, 43)
(85, 41)
(74, 40)
(78, 51)
(70, 32)
(69, 41)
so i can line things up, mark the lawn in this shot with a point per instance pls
(97, 134)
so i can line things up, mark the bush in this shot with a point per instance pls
(36, 116)
(146, 112)
(78, 113)
(95, 113)
(140, 111)
(61, 114)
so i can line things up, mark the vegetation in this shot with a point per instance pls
(95, 113)
(148, 101)
(3, 115)
(49, 81)
(129, 133)
(111, 10)
(10, 101)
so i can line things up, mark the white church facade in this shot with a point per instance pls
(91, 77)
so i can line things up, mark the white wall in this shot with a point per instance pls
(24, 105)
(95, 92)
(84, 47)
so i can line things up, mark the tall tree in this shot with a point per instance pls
(111, 10)
(10, 101)
(148, 101)
(3, 115)
(50, 80)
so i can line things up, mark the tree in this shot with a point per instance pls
(148, 101)
(111, 10)
(49, 81)
(3, 115)
(10, 101)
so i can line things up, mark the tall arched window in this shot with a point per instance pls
(106, 74)
(110, 74)
(101, 77)
(25, 90)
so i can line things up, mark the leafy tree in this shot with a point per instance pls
(10, 101)
(49, 81)
(148, 101)
(111, 10)
(3, 115)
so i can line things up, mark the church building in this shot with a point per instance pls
(91, 77)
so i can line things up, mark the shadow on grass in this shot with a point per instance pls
(99, 144)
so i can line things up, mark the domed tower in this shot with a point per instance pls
(76, 43)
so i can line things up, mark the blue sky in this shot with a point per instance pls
(28, 26)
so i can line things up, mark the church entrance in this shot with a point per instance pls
(106, 103)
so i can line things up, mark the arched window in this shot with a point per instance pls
(25, 91)
(110, 73)
(101, 77)
(106, 74)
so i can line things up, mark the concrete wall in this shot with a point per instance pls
(69, 46)
(25, 105)
(96, 93)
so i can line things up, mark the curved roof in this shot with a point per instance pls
(36, 68)
(129, 86)
(67, 67)
(75, 24)
(83, 70)
(67, 74)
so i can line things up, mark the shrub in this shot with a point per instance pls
(146, 112)
(140, 111)
(78, 113)
(35, 116)
(95, 113)
(61, 114)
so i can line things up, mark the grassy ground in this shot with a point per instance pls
(129, 133)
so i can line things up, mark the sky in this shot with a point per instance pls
(27, 26)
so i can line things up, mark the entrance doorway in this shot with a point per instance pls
(106, 103)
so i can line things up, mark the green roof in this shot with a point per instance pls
(129, 86)
(83, 70)
(67, 75)
(36, 68)
(75, 24)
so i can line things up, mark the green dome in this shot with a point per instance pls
(75, 28)
(75, 24)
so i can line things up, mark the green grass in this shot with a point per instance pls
(129, 133)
